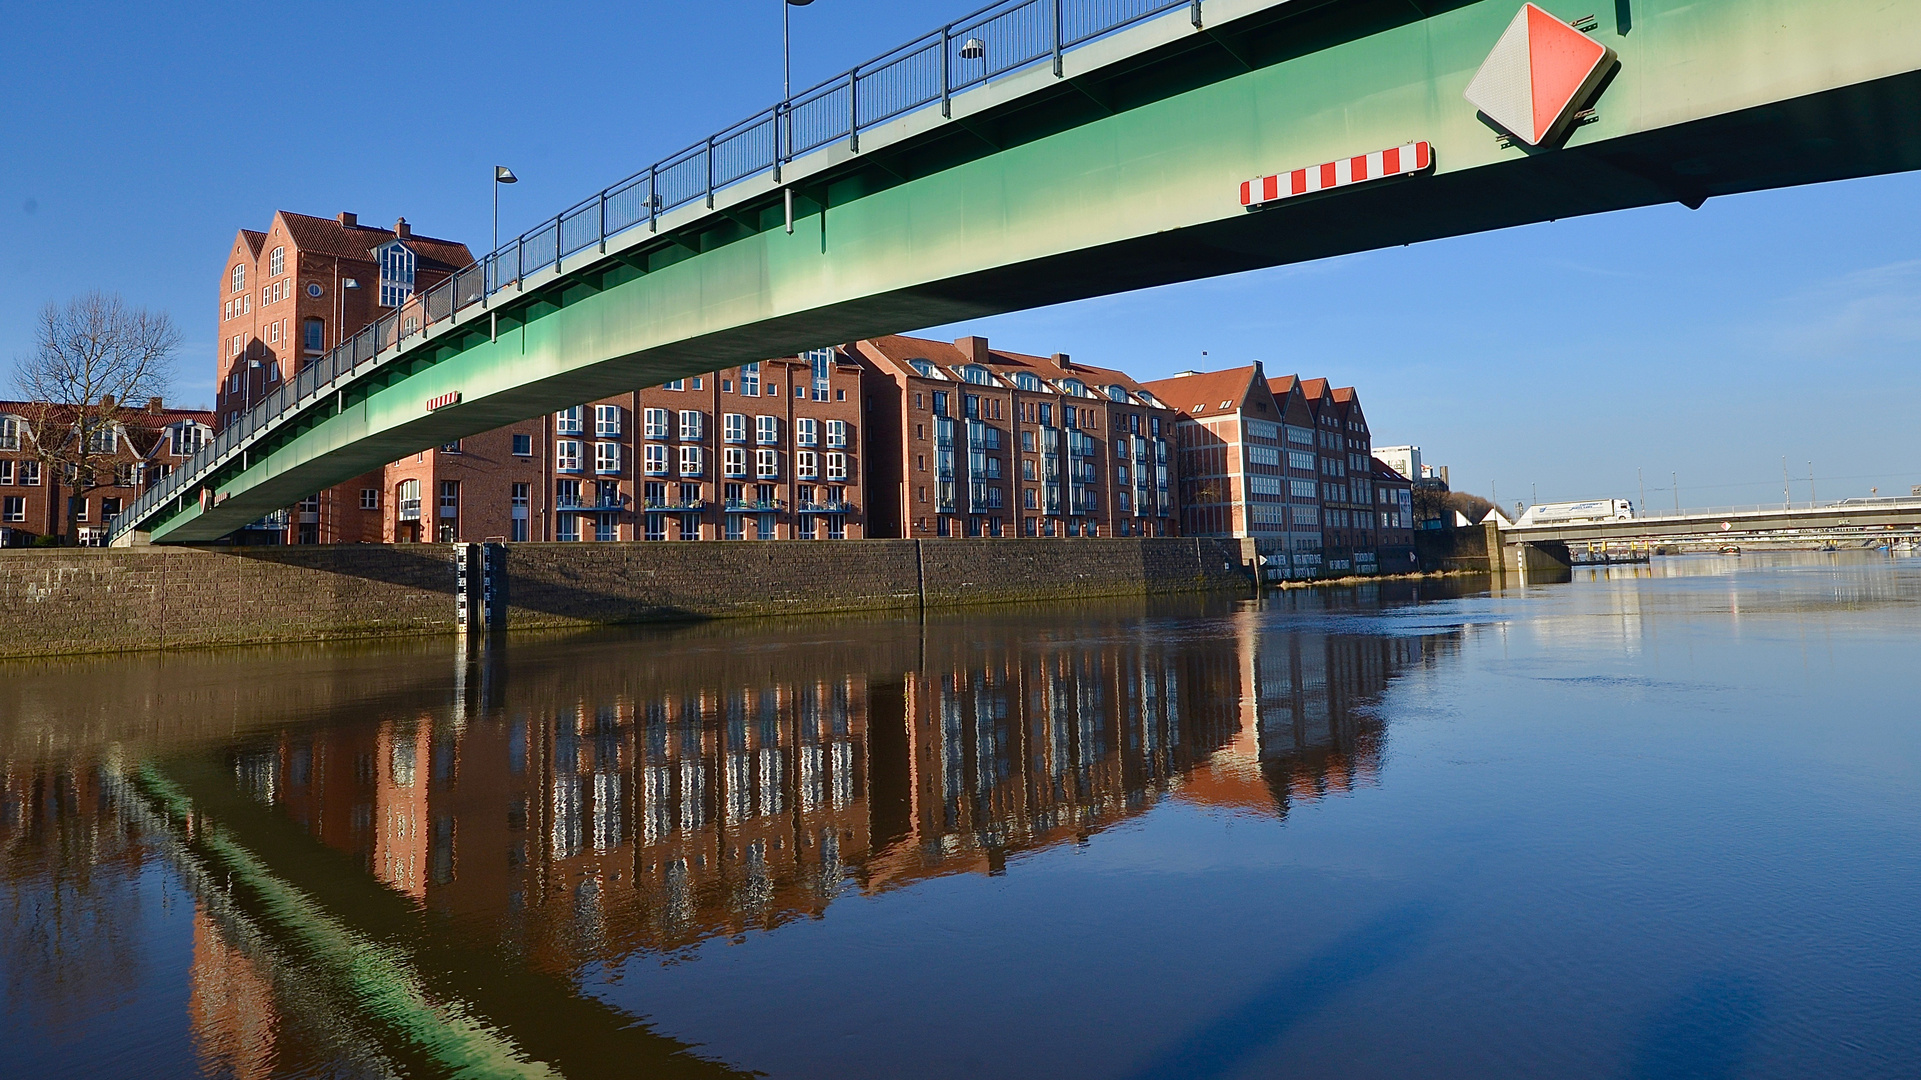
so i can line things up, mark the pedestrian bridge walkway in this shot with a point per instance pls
(1041, 151)
(1855, 518)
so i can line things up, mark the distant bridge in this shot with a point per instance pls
(1041, 151)
(1851, 519)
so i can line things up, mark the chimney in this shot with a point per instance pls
(974, 347)
(348, 221)
(106, 401)
(154, 405)
(1061, 361)
(402, 229)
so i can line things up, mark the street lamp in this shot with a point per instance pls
(502, 175)
(490, 271)
(786, 108)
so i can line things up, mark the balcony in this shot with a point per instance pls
(841, 506)
(409, 510)
(751, 506)
(590, 506)
(663, 505)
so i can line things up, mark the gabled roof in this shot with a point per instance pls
(898, 350)
(1384, 471)
(144, 427)
(253, 240)
(327, 236)
(1283, 385)
(1204, 393)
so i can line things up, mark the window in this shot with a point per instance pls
(735, 529)
(102, 439)
(940, 403)
(523, 445)
(767, 464)
(767, 430)
(236, 345)
(567, 455)
(692, 459)
(735, 462)
(804, 431)
(277, 262)
(656, 459)
(656, 527)
(976, 374)
(677, 384)
(607, 421)
(450, 448)
(186, 439)
(734, 427)
(6, 474)
(922, 368)
(239, 278)
(567, 527)
(273, 330)
(567, 421)
(449, 499)
(806, 466)
(13, 508)
(316, 335)
(836, 466)
(695, 382)
(750, 379)
(690, 424)
(607, 457)
(819, 361)
(837, 433)
(396, 273)
(370, 498)
(566, 493)
(517, 509)
(656, 423)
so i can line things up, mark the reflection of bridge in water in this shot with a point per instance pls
(586, 804)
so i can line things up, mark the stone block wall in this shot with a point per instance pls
(61, 601)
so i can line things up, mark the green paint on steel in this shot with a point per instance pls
(372, 981)
(1761, 92)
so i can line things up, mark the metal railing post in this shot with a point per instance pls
(603, 221)
(946, 77)
(1057, 37)
(520, 270)
(853, 110)
(559, 226)
(709, 155)
(653, 200)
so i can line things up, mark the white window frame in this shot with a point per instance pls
(836, 466)
(735, 461)
(806, 465)
(806, 431)
(734, 427)
(655, 459)
(656, 424)
(607, 421)
(607, 458)
(567, 455)
(766, 430)
(691, 423)
(837, 433)
(766, 464)
(692, 461)
(567, 421)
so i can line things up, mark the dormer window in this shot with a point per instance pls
(397, 265)
(1117, 393)
(11, 428)
(1026, 381)
(187, 438)
(922, 368)
(976, 374)
(1075, 387)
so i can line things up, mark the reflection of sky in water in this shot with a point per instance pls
(1659, 822)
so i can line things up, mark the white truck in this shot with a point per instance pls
(1576, 513)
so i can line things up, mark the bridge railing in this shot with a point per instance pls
(996, 40)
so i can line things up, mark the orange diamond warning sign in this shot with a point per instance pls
(1536, 74)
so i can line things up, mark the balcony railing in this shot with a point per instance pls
(675, 504)
(923, 74)
(594, 505)
(829, 507)
(752, 506)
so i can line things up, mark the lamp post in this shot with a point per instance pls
(784, 117)
(491, 269)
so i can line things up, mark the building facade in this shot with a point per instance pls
(145, 444)
(289, 294)
(971, 441)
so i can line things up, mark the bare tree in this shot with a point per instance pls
(93, 357)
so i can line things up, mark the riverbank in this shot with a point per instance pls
(69, 601)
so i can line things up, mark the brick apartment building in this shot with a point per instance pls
(147, 444)
(771, 450)
(970, 441)
(289, 294)
(1287, 463)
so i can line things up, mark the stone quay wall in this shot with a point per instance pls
(66, 601)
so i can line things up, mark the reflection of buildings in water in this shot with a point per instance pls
(230, 1007)
(665, 809)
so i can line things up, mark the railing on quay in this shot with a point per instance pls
(996, 40)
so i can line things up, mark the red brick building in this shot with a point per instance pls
(289, 294)
(147, 444)
(971, 441)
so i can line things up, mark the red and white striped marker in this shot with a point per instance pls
(1399, 161)
(441, 401)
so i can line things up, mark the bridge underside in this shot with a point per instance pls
(1891, 520)
(1126, 176)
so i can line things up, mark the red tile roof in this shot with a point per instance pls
(1202, 394)
(899, 349)
(327, 236)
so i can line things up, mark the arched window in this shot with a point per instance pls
(1117, 393)
(1026, 381)
(976, 374)
(921, 367)
(277, 262)
(1075, 387)
(396, 273)
(239, 278)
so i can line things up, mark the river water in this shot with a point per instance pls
(1659, 822)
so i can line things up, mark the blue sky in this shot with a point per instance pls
(1556, 359)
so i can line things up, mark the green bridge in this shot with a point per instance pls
(1029, 156)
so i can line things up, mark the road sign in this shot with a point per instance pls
(1538, 72)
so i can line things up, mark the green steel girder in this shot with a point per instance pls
(1052, 197)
